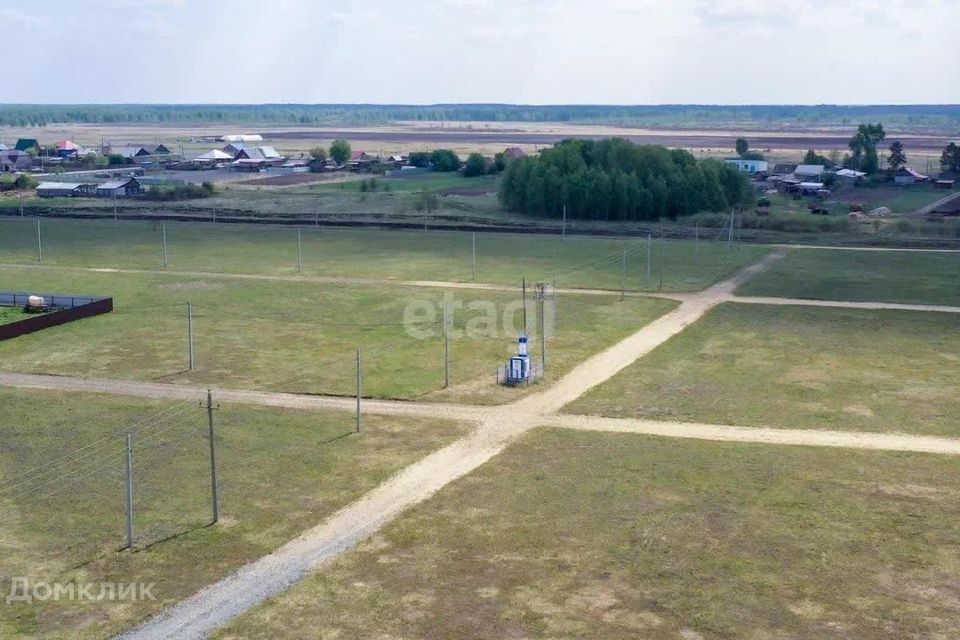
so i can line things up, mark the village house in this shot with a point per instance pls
(28, 144)
(121, 188)
(749, 166)
(63, 189)
(906, 176)
(13, 160)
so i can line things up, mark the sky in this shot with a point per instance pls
(509, 51)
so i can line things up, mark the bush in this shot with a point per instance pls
(476, 165)
(444, 160)
(180, 192)
(420, 159)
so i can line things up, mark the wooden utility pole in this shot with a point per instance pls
(213, 460)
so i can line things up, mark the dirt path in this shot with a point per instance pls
(763, 435)
(239, 396)
(845, 304)
(909, 249)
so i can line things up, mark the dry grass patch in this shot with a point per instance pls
(797, 367)
(579, 535)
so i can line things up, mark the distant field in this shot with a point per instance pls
(280, 472)
(797, 368)
(373, 253)
(300, 336)
(421, 182)
(576, 535)
(889, 276)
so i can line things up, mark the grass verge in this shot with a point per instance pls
(881, 276)
(797, 367)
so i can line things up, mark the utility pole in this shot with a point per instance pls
(114, 212)
(623, 275)
(541, 289)
(564, 222)
(213, 460)
(473, 237)
(21, 204)
(299, 253)
(39, 242)
(524, 305)
(649, 255)
(696, 241)
(359, 391)
(129, 456)
(446, 345)
(554, 305)
(189, 336)
(660, 253)
(730, 232)
(163, 235)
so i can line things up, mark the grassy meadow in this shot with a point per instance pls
(588, 535)
(883, 276)
(280, 472)
(378, 254)
(302, 336)
(797, 367)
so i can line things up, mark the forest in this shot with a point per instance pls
(614, 179)
(680, 116)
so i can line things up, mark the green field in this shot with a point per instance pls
(575, 535)
(379, 254)
(797, 367)
(422, 182)
(11, 314)
(281, 472)
(302, 336)
(886, 276)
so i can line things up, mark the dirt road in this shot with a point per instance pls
(761, 435)
(240, 396)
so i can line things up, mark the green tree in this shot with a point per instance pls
(318, 153)
(444, 160)
(476, 165)
(897, 158)
(863, 147)
(615, 179)
(419, 159)
(340, 151)
(742, 146)
(950, 158)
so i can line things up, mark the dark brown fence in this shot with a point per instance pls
(70, 308)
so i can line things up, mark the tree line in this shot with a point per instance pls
(614, 179)
(23, 115)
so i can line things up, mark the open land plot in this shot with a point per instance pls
(882, 276)
(302, 337)
(577, 535)
(369, 253)
(797, 367)
(280, 472)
